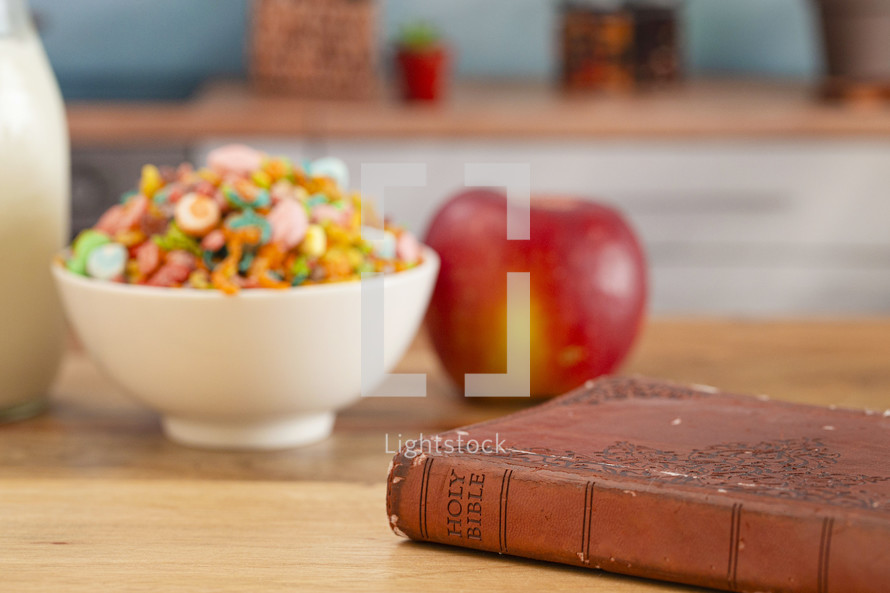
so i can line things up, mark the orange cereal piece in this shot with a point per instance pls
(269, 257)
(224, 274)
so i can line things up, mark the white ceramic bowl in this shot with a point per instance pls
(260, 370)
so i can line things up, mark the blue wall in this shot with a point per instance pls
(514, 37)
(769, 37)
(143, 48)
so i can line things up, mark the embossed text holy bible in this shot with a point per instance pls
(652, 479)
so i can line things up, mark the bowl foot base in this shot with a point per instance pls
(280, 433)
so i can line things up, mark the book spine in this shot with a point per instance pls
(710, 541)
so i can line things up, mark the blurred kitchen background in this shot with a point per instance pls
(752, 156)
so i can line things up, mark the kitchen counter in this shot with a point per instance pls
(92, 497)
(698, 109)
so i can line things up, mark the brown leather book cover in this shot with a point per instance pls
(652, 479)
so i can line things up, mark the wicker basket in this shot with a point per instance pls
(323, 49)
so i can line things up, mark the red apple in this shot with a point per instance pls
(588, 288)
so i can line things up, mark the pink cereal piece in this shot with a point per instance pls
(289, 223)
(175, 195)
(235, 158)
(324, 212)
(162, 277)
(203, 187)
(407, 248)
(213, 241)
(169, 275)
(133, 212)
(148, 256)
(179, 273)
(153, 225)
(110, 221)
(182, 259)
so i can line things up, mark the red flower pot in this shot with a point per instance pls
(423, 73)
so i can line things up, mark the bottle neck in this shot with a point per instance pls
(14, 17)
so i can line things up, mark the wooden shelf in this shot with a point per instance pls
(728, 109)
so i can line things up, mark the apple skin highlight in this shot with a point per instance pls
(588, 288)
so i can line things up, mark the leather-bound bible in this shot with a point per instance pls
(647, 478)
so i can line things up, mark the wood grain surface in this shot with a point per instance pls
(698, 109)
(93, 498)
(159, 536)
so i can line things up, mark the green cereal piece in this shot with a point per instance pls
(316, 200)
(249, 218)
(128, 195)
(233, 197)
(262, 200)
(77, 264)
(300, 270)
(83, 245)
(246, 262)
(209, 256)
(88, 240)
(161, 196)
(175, 240)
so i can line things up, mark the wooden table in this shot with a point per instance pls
(92, 497)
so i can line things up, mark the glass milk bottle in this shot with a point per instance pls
(34, 212)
